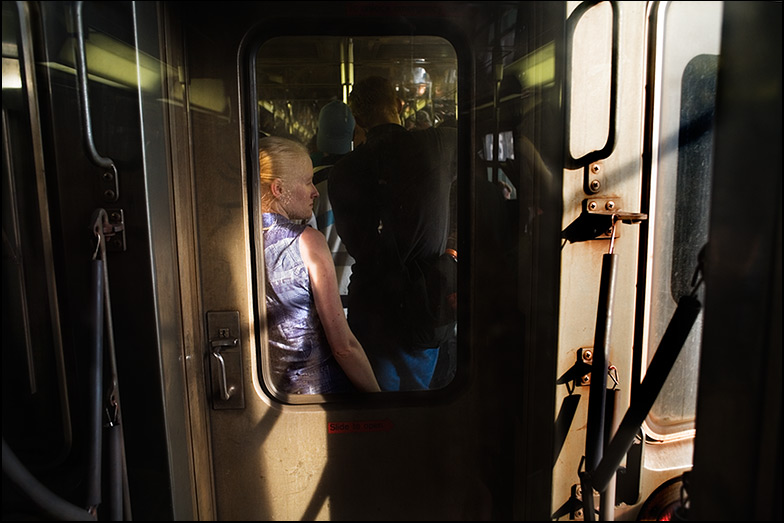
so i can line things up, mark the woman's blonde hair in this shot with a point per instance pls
(276, 157)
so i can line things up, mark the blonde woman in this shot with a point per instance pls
(312, 348)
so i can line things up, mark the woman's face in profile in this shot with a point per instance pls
(299, 192)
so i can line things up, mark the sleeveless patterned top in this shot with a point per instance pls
(300, 358)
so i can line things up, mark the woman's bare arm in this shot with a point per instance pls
(345, 346)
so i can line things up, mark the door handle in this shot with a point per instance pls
(570, 161)
(225, 355)
(217, 345)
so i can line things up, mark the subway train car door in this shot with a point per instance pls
(642, 153)
(439, 454)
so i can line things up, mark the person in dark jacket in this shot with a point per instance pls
(391, 201)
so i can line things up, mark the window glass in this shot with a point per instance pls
(682, 184)
(297, 76)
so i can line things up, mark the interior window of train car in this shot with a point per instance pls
(302, 93)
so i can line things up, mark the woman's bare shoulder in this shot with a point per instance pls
(313, 242)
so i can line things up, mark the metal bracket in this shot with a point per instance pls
(593, 177)
(597, 218)
(114, 230)
(604, 206)
(576, 503)
(585, 355)
(585, 361)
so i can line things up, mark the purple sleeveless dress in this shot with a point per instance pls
(300, 358)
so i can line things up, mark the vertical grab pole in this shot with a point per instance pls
(594, 438)
(115, 449)
(105, 401)
(594, 445)
(94, 447)
(607, 496)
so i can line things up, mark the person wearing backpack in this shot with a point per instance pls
(391, 202)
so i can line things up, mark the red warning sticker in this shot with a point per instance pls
(341, 427)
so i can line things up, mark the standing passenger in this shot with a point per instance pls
(312, 349)
(390, 197)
